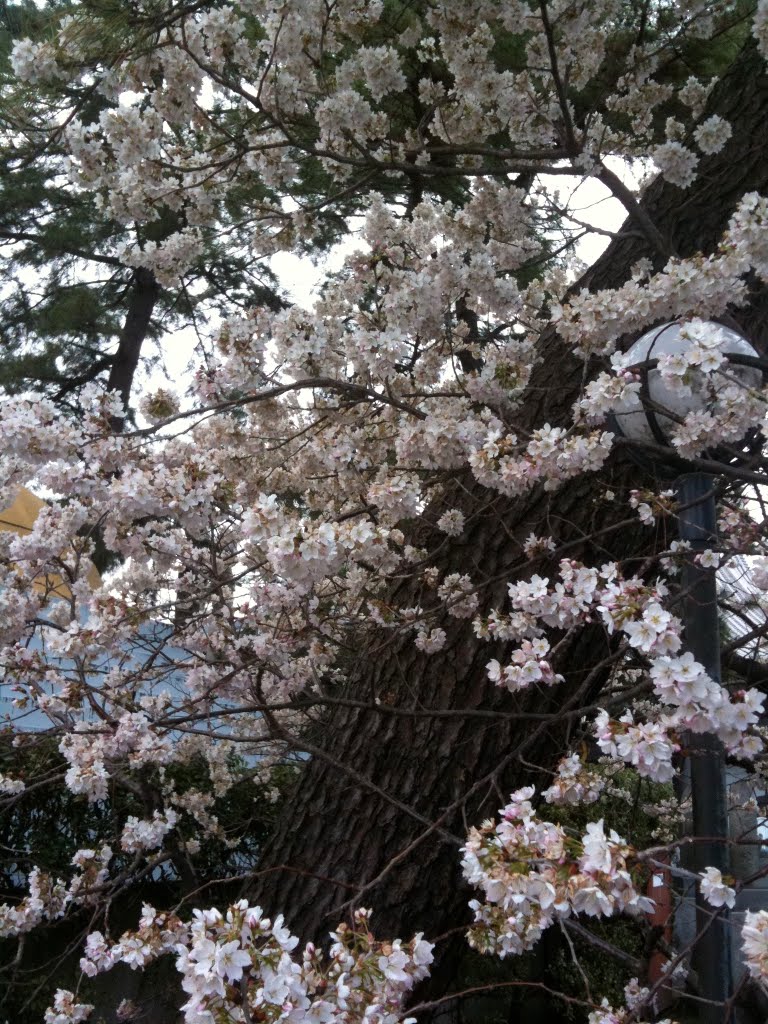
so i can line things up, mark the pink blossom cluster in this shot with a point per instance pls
(10, 786)
(638, 1007)
(527, 665)
(754, 937)
(688, 699)
(66, 1010)
(147, 835)
(49, 898)
(241, 955)
(574, 783)
(533, 874)
(553, 455)
(714, 890)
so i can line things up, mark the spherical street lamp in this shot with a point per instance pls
(664, 400)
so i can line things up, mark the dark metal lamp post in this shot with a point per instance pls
(648, 417)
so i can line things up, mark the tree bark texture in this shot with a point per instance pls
(143, 297)
(380, 809)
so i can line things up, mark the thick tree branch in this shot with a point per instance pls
(144, 294)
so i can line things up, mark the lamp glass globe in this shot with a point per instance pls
(700, 390)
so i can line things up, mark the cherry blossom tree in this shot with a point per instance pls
(391, 544)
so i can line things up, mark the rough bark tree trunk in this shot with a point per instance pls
(143, 297)
(358, 824)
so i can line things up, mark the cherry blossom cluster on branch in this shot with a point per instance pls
(532, 875)
(239, 965)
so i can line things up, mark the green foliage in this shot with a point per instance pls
(622, 806)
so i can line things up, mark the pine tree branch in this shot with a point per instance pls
(48, 246)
